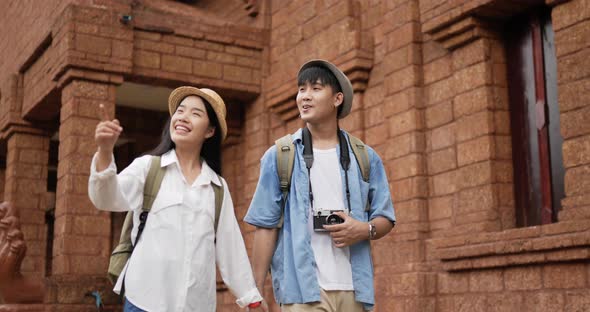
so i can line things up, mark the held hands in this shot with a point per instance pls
(263, 307)
(349, 232)
(107, 132)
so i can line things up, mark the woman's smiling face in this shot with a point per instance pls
(190, 122)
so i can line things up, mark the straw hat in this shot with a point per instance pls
(208, 95)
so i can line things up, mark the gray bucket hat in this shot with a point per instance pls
(345, 84)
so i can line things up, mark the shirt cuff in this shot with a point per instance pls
(258, 223)
(251, 296)
(109, 171)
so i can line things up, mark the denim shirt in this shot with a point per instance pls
(293, 265)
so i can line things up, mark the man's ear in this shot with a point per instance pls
(338, 99)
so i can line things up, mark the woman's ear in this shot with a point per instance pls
(210, 132)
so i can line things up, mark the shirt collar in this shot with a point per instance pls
(298, 136)
(207, 174)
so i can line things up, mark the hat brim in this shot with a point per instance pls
(216, 102)
(344, 82)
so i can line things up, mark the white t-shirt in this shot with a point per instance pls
(333, 264)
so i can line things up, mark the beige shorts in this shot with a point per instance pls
(332, 301)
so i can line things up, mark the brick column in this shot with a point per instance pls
(571, 20)
(483, 175)
(469, 142)
(82, 233)
(26, 187)
(401, 284)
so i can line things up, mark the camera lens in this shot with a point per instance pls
(334, 219)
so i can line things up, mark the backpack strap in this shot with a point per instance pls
(150, 191)
(361, 155)
(285, 161)
(219, 191)
(125, 237)
(362, 158)
(152, 183)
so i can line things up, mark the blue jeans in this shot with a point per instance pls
(129, 307)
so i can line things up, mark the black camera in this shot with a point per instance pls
(326, 217)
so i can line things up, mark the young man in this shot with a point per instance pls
(315, 266)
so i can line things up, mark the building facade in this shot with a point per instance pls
(478, 108)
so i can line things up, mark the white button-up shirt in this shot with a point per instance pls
(172, 268)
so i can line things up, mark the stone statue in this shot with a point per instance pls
(14, 287)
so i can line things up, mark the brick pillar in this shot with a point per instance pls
(482, 140)
(82, 233)
(400, 283)
(570, 20)
(26, 188)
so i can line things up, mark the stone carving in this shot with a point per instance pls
(14, 287)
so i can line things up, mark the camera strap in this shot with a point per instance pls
(308, 159)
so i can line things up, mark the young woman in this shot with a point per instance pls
(172, 267)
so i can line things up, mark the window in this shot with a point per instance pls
(534, 113)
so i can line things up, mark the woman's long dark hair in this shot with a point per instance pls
(211, 150)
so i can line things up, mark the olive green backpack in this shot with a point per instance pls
(153, 181)
(286, 158)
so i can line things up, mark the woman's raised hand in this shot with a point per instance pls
(106, 135)
(107, 132)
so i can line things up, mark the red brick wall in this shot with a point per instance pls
(440, 120)
(571, 20)
(236, 11)
(181, 58)
(26, 189)
(93, 38)
(467, 138)
(430, 97)
(18, 41)
(78, 224)
(497, 280)
(87, 42)
(254, 140)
